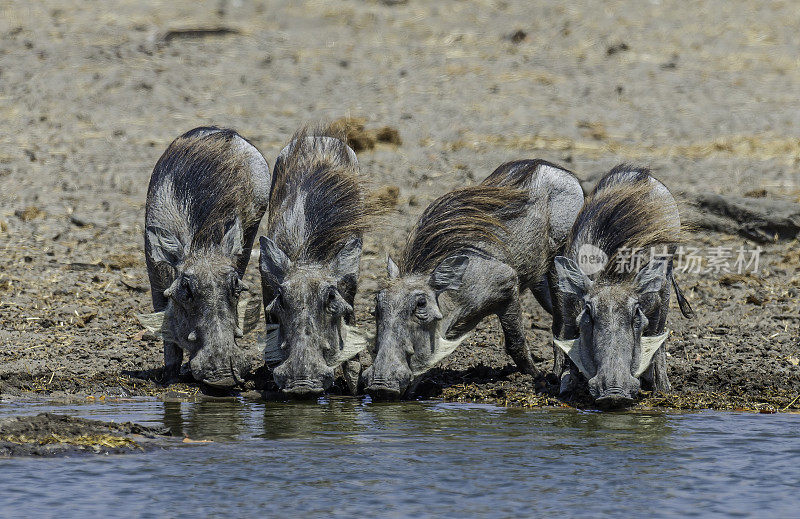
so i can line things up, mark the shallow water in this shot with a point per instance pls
(346, 458)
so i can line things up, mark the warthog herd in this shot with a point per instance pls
(472, 253)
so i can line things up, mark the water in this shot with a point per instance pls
(348, 458)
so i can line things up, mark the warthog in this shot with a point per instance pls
(614, 310)
(310, 261)
(206, 198)
(482, 246)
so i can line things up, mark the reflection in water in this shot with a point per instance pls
(337, 418)
(618, 431)
(342, 457)
(208, 419)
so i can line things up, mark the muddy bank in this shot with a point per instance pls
(46, 435)
(88, 108)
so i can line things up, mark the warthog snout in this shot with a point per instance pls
(220, 371)
(614, 393)
(297, 379)
(387, 384)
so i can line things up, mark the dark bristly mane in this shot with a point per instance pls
(516, 173)
(205, 160)
(324, 178)
(623, 212)
(460, 220)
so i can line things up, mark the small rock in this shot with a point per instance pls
(756, 193)
(617, 47)
(81, 221)
(518, 36)
(757, 298)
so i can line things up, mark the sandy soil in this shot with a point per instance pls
(91, 95)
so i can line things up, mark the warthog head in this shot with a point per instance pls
(408, 318)
(611, 350)
(204, 316)
(310, 303)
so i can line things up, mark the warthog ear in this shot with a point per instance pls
(345, 268)
(391, 268)
(651, 278)
(353, 342)
(571, 279)
(449, 273)
(441, 350)
(165, 246)
(232, 241)
(347, 259)
(274, 263)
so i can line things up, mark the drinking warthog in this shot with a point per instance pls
(482, 245)
(206, 198)
(310, 261)
(614, 309)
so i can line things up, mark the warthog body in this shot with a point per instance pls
(615, 310)
(206, 198)
(479, 246)
(310, 261)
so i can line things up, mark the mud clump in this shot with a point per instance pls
(360, 138)
(49, 434)
(29, 213)
(385, 198)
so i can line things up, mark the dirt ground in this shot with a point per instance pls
(92, 93)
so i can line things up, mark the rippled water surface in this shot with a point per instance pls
(347, 458)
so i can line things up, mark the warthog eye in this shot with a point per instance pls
(333, 303)
(422, 309)
(639, 318)
(236, 285)
(185, 292)
(586, 314)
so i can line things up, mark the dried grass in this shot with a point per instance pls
(695, 400)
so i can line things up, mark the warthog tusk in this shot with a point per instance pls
(570, 347)
(352, 342)
(442, 349)
(154, 323)
(649, 347)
